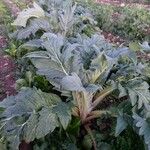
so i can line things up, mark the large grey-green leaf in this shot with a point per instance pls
(53, 76)
(32, 44)
(72, 83)
(144, 127)
(139, 94)
(30, 128)
(67, 18)
(29, 115)
(63, 113)
(33, 27)
(28, 100)
(99, 67)
(58, 61)
(122, 90)
(23, 16)
(12, 131)
(121, 125)
(53, 44)
(47, 123)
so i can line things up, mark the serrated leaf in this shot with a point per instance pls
(72, 83)
(22, 118)
(12, 132)
(32, 44)
(116, 53)
(23, 16)
(122, 91)
(57, 62)
(53, 76)
(53, 44)
(14, 140)
(144, 127)
(121, 125)
(99, 66)
(47, 123)
(28, 100)
(67, 18)
(63, 113)
(33, 27)
(139, 93)
(30, 128)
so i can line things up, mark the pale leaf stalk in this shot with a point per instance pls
(98, 74)
(61, 64)
(101, 96)
(75, 112)
(96, 114)
(83, 101)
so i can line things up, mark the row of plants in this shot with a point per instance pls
(131, 23)
(5, 18)
(138, 1)
(23, 3)
(126, 1)
(75, 90)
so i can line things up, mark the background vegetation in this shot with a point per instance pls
(124, 122)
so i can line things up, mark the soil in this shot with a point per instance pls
(3, 42)
(117, 40)
(7, 76)
(14, 9)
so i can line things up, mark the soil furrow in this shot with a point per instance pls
(7, 65)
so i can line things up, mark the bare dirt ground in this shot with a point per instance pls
(7, 64)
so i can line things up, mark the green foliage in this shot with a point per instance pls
(67, 18)
(131, 23)
(128, 140)
(144, 128)
(23, 16)
(4, 13)
(83, 71)
(33, 114)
